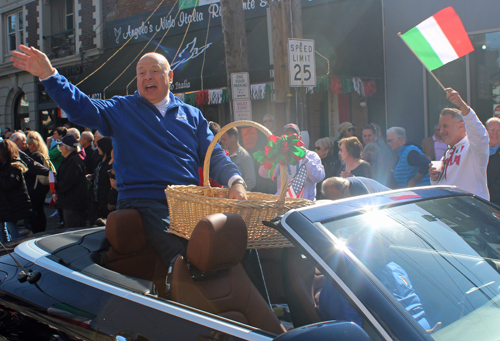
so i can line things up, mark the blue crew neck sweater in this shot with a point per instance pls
(150, 151)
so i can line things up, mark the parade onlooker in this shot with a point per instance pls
(52, 143)
(383, 163)
(270, 123)
(163, 138)
(87, 143)
(351, 155)
(19, 138)
(335, 188)
(466, 159)
(71, 184)
(493, 170)
(412, 167)
(39, 189)
(433, 146)
(239, 155)
(324, 149)
(100, 181)
(15, 203)
(345, 129)
(306, 174)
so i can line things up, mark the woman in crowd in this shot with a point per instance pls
(38, 190)
(100, 179)
(351, 153)
(324, 148)
(15, 203)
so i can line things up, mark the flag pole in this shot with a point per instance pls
(433, 75)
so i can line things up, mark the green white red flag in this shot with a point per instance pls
(439, 39)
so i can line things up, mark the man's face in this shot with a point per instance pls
(437, 132)
(21, 143)
(153, 78)
(64, 150)
(494, 132)
(451, 131)
(368, 136)
(394, 142)
(269, 123)
(227, 141)
(56, 136)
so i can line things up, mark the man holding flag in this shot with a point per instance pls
(465, 161)
(437, 41)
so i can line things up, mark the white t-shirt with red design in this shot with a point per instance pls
(465, 163)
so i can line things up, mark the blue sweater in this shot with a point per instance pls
(150, 151)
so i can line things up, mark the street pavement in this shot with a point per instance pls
(52, 219)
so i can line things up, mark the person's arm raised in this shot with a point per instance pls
(33, 61)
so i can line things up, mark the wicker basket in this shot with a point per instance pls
(189, 204)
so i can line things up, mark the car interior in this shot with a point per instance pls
(270, 289)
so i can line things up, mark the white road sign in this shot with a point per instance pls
(240, 85)
(242, 110)
(301, 62)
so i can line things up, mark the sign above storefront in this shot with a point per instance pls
(301, 62)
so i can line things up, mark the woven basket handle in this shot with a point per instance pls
(242, 123)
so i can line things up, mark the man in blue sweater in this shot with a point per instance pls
(169, 145)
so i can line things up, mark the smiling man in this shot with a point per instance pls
(465, 161)
(157, 139)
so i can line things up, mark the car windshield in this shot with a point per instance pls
(439, 258)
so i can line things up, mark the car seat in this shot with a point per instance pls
(212, 279)
(301, 282)
(130, 254)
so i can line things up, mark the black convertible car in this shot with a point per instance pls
(417, 264)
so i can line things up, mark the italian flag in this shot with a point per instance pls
(439, 39)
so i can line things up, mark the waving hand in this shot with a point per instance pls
(32, 60)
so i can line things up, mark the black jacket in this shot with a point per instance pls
(15, 202)
(71, 184)
(493, 172)
(331, 165)
(101, 183)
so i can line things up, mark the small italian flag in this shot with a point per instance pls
(439, 39)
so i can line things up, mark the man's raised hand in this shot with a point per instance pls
(32, 60)
(455, 98)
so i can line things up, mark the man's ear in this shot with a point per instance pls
(347, 194)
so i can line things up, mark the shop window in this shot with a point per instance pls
(15, 29)
(21, 113)
(485, 74)
(59, 35)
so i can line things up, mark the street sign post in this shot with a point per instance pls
(240, 89)
(301, 62)
(240, 85)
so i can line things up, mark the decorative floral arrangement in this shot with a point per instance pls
(283, 150)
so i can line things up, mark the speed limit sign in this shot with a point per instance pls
(301, 61)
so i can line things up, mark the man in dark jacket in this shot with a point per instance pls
(71, 186)
(493, 170)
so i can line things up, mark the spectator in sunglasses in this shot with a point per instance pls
(345, 129)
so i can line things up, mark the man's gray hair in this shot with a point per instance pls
(454, 113)
(492, 119)
(18, 135)
(398, 132)
(87, 135)
(340, 184)
(71, 148)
